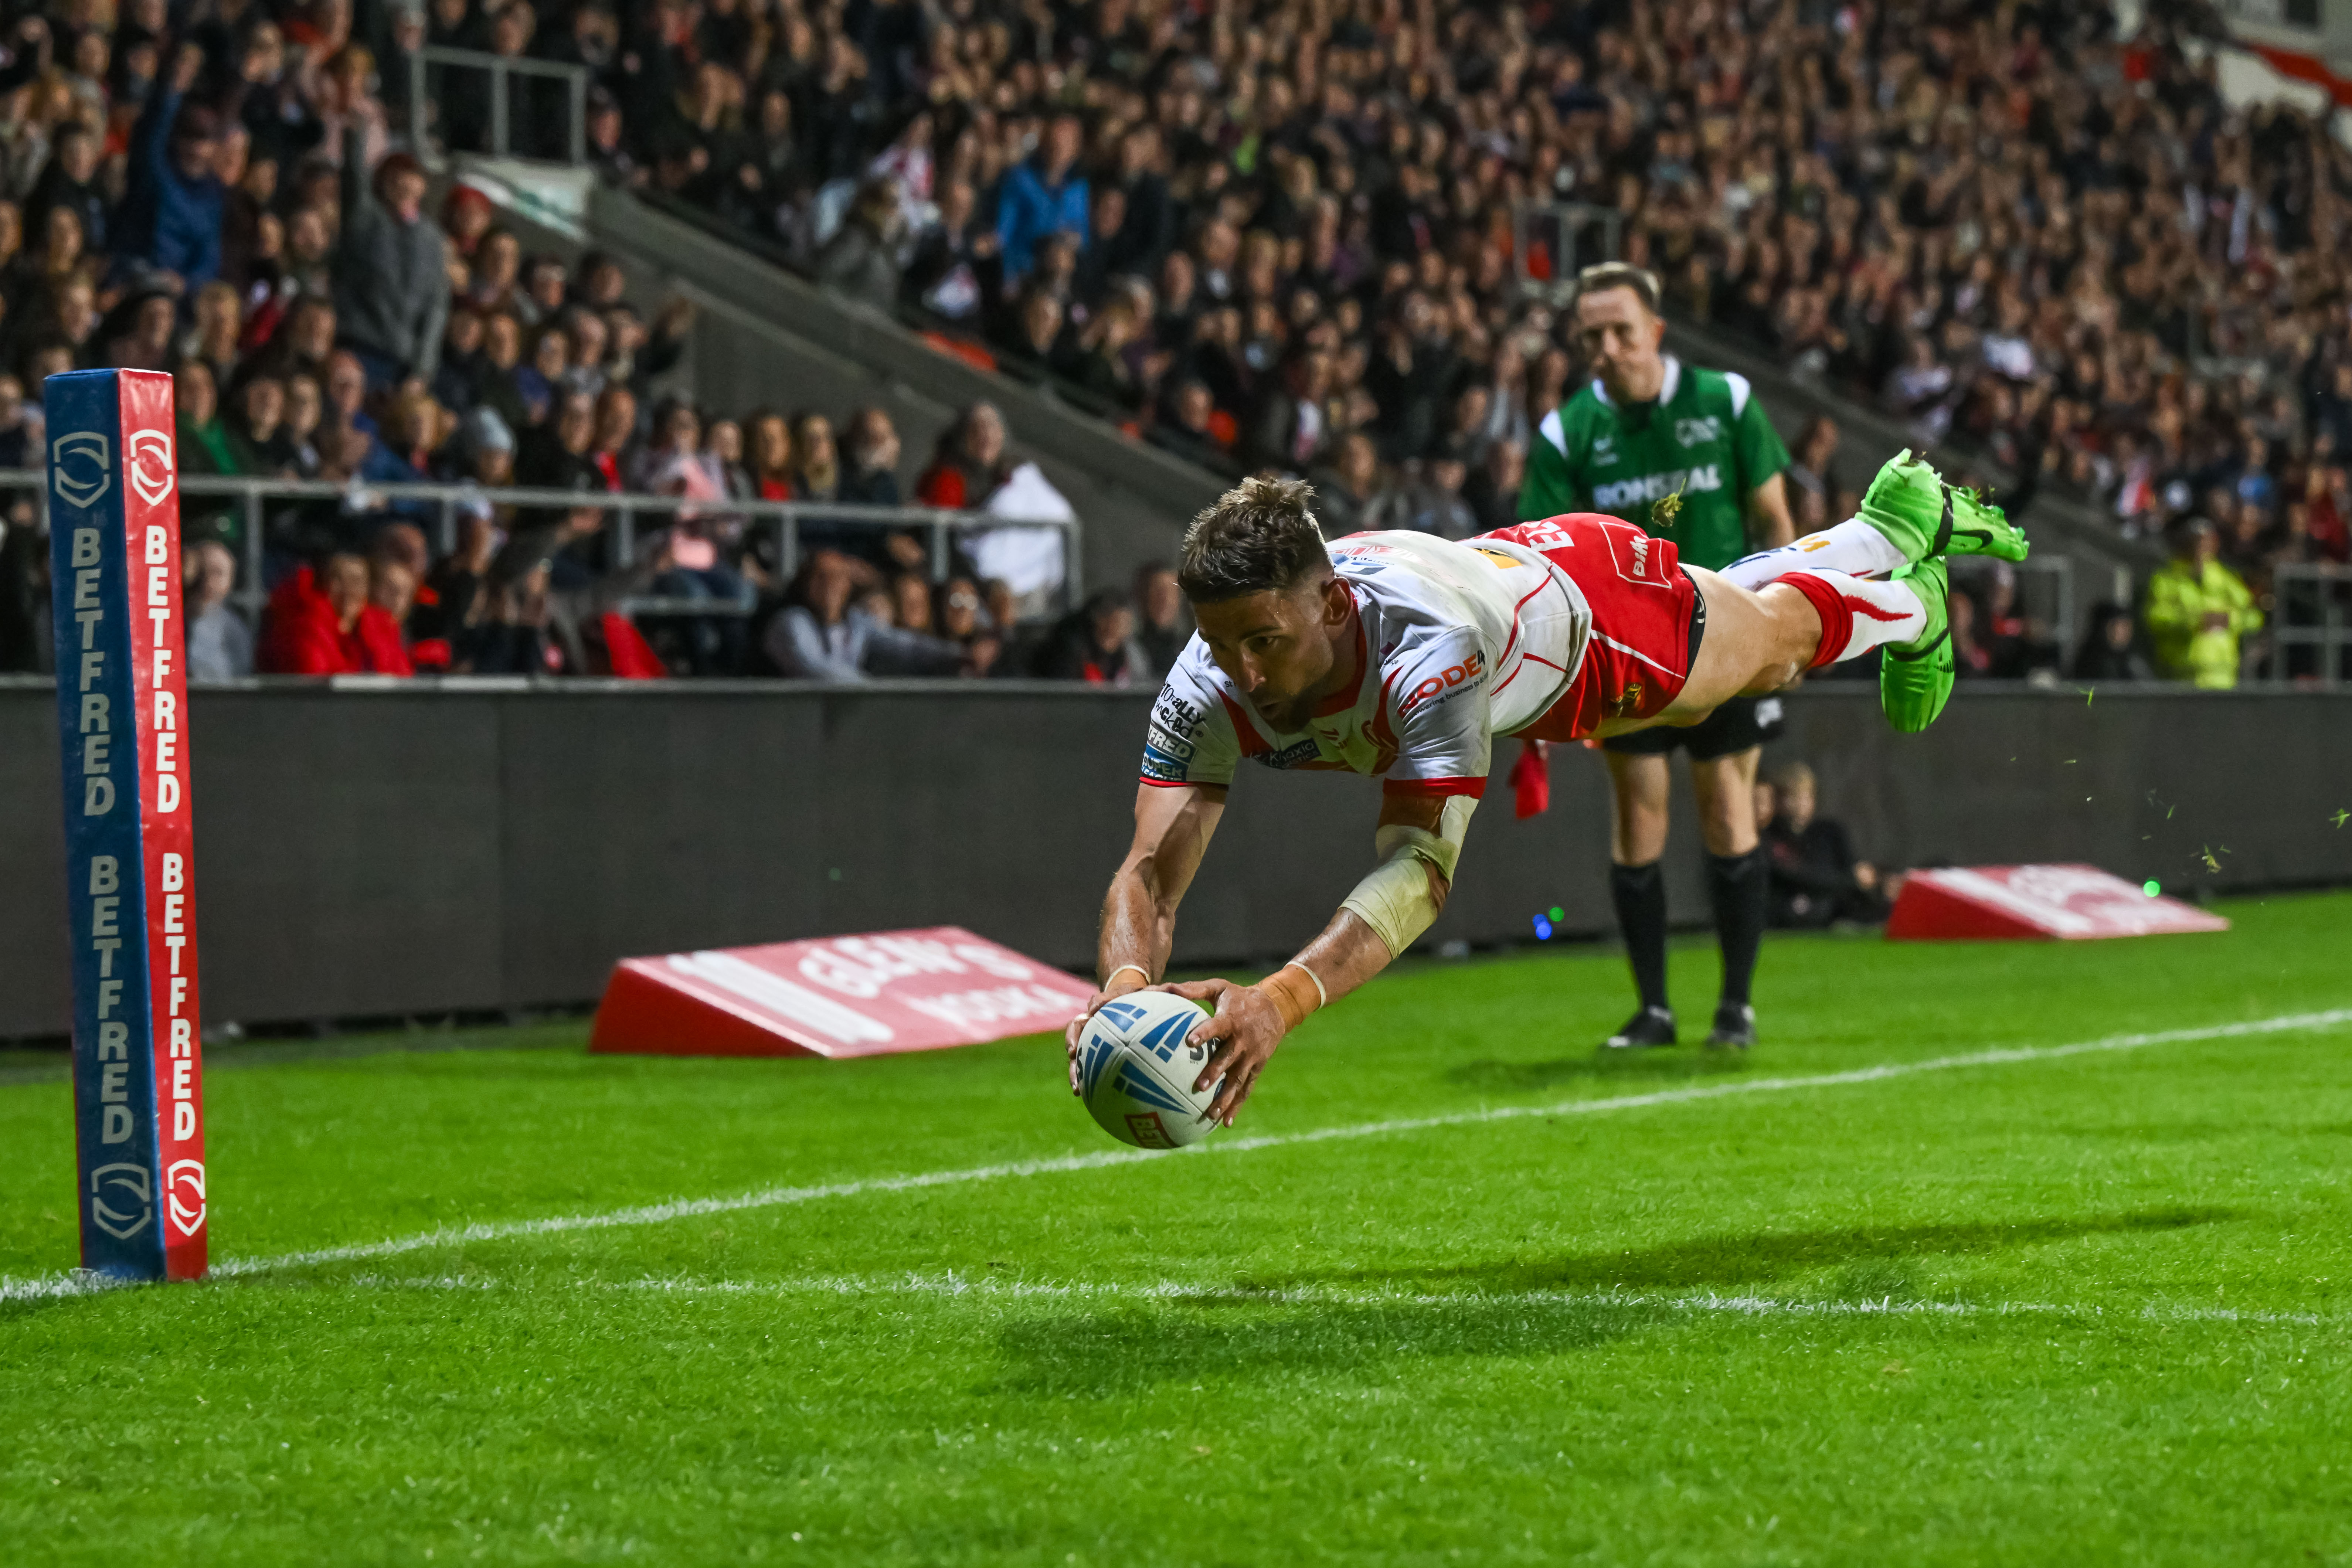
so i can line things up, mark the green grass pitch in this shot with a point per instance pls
(2027, 1307)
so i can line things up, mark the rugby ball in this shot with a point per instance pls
(1136, 1070)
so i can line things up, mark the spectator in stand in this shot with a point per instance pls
(871, 441)
(20, 427)
(968, 466)
(2110, 648)
(220, 645)
(817, 464)
(1347, 495)
(1816, 881)
(322, 622)
(821, 636)
(690, 557)
(1436, 504)
(392, 588)
(1192, 426)
(1812, 480)
(1096, 644)
(959, 616)
(2198, 609)
(1045, 194)
(1288, 431)
(204, 445)
(861, 259)
(392, 284)
(172, 209)
(1164, 621)
(770, 435)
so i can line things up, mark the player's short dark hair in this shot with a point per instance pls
(1259, 537)
(1620, 275)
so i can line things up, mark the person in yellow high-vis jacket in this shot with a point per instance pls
(2198, 609)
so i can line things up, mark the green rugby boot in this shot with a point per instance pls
(1915, 677)
(1924, 517)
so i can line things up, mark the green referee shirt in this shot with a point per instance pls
(1706, 437)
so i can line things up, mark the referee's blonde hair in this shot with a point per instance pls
(1606, 275)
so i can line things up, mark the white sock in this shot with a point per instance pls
(1857, 614)
(1853, 547)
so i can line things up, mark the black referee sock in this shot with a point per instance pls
(1735, 886)
(1640, 894)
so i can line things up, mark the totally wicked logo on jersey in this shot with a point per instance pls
(114, 532)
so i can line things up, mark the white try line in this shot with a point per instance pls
(954, 1285)
(779, 1198)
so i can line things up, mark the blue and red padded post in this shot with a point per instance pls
(114, 543)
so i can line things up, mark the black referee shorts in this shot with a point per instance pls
(1738, 724)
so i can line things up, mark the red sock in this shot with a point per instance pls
(1531, 779)
(1837, 619)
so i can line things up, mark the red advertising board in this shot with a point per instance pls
(838, 996)
(2068, 903)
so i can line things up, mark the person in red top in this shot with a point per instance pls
(969, 466)
(321, 623)
(770, 435)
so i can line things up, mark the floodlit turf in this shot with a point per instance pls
(2041, 1308)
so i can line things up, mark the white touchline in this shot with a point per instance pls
(776, 1197)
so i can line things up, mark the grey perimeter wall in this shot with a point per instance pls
(419, 850)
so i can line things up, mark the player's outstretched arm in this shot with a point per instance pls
(1173, 828)
(1419, 838)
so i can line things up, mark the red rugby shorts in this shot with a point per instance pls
(1638, 657)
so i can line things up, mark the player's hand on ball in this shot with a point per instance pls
(1125, 981)
(1242, 1035)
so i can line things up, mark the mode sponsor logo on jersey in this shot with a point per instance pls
(1699, 431)
(1454, 678)
(1615, 497)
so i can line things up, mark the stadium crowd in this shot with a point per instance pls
(1278, 235)
(1282, 236)
(227, 204)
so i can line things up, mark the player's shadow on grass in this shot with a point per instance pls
(1872, 1259)
(1248, 1337)
(1506, 1307)
(1598, 1066)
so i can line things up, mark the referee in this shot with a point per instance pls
(1647, 428)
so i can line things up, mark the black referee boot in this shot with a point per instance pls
(1734, 1027)
(1650, 1027)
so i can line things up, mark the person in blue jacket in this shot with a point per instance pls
(1043, 194)
(171, 213)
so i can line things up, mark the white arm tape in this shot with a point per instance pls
(1395, 900)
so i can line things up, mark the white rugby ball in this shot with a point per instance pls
(1136, 1070)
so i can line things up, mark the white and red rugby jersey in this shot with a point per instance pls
(1462, 642)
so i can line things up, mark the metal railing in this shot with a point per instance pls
(501, 70)
(2045, 591)
(2311, 625)
(1552, 241)
(253, 499)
